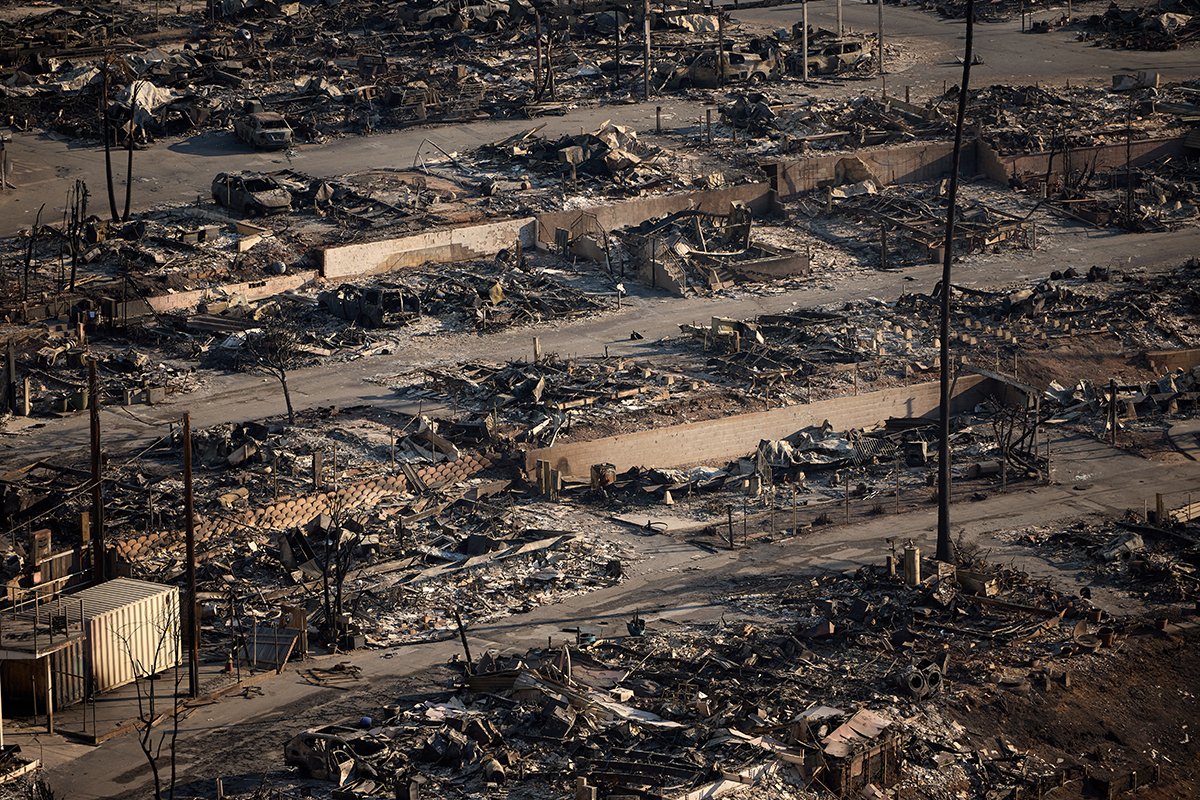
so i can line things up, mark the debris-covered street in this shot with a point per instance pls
(612, 400)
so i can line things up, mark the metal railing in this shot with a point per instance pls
(45, 623)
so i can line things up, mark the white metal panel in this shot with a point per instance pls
(137, 633)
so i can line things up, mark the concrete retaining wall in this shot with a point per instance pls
(634, 212)
(903, 164)
(439, 246)
(251, 290)
(450, 244)
(720, 440)
(1002, 169)
(1168, 360)
(781, 266)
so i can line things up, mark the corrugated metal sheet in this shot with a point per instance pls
(67, 675)
(268, 646)
(133, 630)
(871, 447)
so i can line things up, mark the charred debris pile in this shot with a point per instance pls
(401, 523)
(815, 686)
(1156, 559)
(482, 296)
(1166, 26)
(357, 68)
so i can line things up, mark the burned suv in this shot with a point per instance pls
(252, 194)
(265, 130)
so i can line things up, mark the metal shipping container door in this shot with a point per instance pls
(135, 639)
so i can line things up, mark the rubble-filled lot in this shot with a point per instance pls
(653, 630)
(350, 69)
(1145, 28)
(1052, 334)
(1024, 119)
(1155, 562)
(807, 686)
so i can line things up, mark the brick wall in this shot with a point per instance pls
(720, 440)
(292, 512)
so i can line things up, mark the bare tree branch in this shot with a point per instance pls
(274, 351)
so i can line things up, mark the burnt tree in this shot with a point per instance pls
(274, 351)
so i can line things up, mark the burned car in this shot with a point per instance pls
(333, 753)
(251, 194)
(737, 67)
(265, 130)
(830, 54)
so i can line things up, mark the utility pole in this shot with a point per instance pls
(617, 50)
(945, 547)
(1129, 165)
(840, 29)
(646, 49)
(189, 502)
(106, 134)
(879, 3)
(804, 40)
(847, 496)
(98, 554)
(133, 89)
(720, 47)
(4, 167)
(10, 372)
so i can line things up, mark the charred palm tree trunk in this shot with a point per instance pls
(129, 149)
(106, 133)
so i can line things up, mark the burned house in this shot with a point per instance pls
(694, 251)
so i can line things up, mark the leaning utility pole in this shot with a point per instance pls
(945, 548)
(97, 481)
(189, 503)
(133, 89)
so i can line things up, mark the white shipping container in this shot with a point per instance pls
(133, 629)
